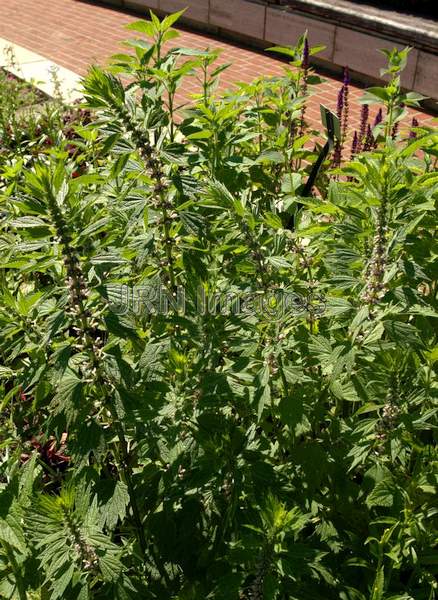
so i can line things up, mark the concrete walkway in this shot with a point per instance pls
(77, 33)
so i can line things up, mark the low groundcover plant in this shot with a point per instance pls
(191, 449)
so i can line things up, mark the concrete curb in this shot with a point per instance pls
(39, 71)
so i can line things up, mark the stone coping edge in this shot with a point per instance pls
(412, 30)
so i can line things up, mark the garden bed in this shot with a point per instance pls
(218, 352)
(32, 122)
(21, 108)
(25, 93)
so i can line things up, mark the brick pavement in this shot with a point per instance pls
(76, 33)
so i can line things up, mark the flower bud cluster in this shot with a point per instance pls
(375, 272)
(160, 192)
(342, 112)
(390, 415)
(272, 364)
(86, 328)
(304, 260)
(86, 554)
(370, 142)
(363, 127)
(388, 422)
(355, 144)
(346, 104)
(89, 557)
(305, 63)
(227, 488)
(78, 291)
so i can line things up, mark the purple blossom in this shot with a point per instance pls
(346, 105)
(337, 154)
(305, 59)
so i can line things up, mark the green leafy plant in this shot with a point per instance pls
(33, 125)
(197, 401)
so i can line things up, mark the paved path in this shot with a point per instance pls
(76, 33)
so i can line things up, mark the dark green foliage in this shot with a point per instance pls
(157, 440)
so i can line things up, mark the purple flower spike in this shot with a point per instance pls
(345, 112)
(369, 140)
(354, 145)
(305, 61)
(342, 113)
(340, 104)
(337, 155)
(413, 134)
(379, 118)
(364, 114)
(305, 67)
